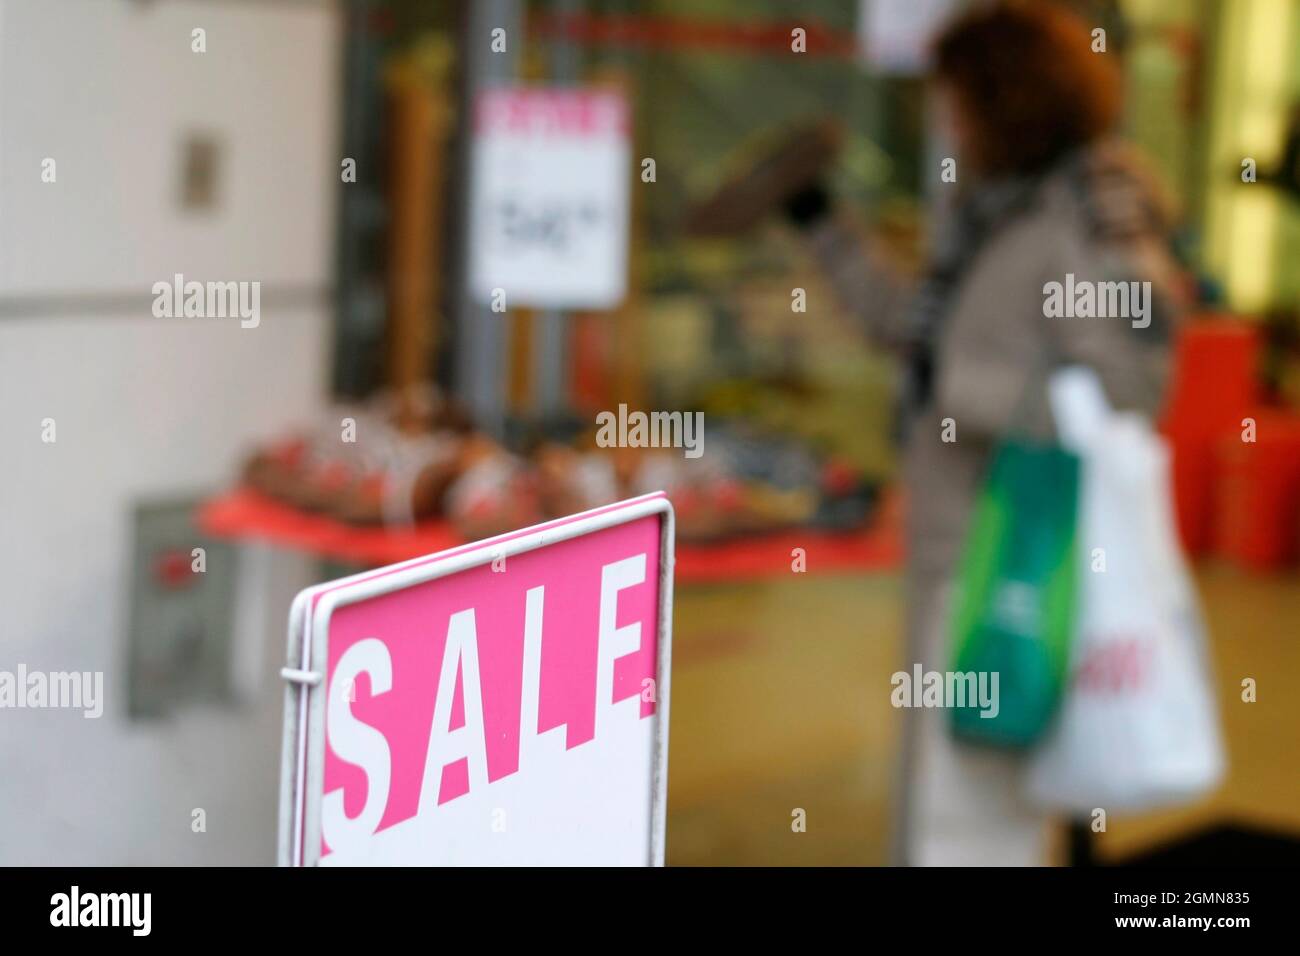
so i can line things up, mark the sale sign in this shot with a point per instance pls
(501, 703)
(549, 198)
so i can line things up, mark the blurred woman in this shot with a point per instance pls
(1043, 191)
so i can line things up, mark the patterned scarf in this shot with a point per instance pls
(975, 218)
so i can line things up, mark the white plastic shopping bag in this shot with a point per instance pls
(1139, 726)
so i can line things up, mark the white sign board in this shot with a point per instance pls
(895, 35)
(503, 703)
(549, 198)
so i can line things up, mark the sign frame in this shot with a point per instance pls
(302, 763)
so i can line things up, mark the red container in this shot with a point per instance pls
(1213, 380)
(1257, 500)
(1193, 465)
(1213, 386)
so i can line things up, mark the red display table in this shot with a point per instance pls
(250, 515)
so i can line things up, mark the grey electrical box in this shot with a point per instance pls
(182, 593)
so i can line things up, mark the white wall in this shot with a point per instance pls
(145, 406)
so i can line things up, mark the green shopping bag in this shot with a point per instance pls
(1015, 595)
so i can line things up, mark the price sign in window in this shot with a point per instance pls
(550, 198)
